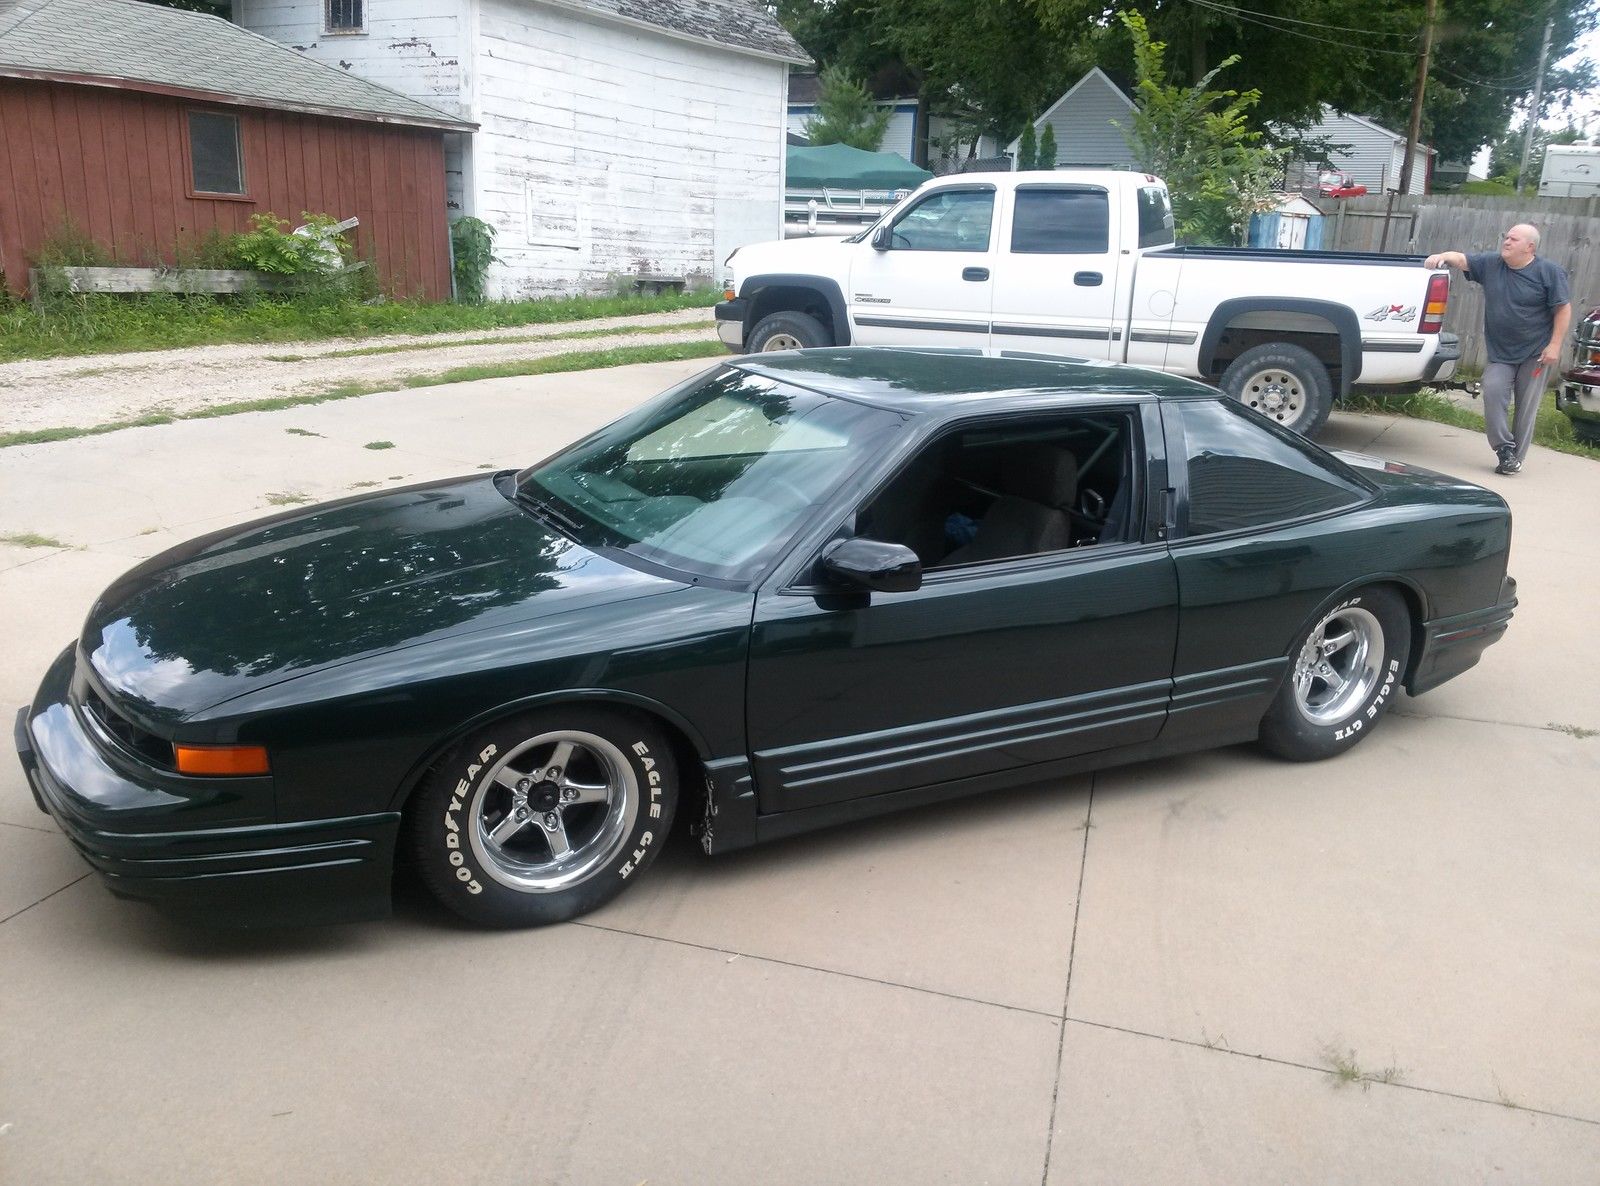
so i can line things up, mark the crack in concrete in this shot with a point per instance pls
(1441, 716)
(1324, 1071)
(28, 828)
(44, 899)
(1066, 996)
(783, 963)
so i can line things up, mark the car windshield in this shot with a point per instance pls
(713, 477)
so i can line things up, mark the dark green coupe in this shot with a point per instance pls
(794, 591)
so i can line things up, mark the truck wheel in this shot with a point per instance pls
(788, 331)
(1287, 383)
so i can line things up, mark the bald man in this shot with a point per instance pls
(1526, 311)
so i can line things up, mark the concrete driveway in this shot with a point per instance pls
(1213, 969)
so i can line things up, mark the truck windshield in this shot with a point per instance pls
(712, 478)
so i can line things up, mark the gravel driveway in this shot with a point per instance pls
(98, 389)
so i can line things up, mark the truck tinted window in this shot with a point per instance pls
(952, 220)
(1061, 222)
(1246, 473)
(1155, 217)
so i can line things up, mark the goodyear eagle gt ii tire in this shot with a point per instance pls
(543, 817)
(788, 331)
(1344, 672)
(1283, 382)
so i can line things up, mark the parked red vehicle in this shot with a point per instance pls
(1333, 184)
(1578, 394)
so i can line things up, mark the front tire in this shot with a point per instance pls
(788, 331)
(1286, 383)
(543, 817)
(1342, 677)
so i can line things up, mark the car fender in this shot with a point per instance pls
(591, 697)
(824, 287)
(1342, 317)
(1411, 593)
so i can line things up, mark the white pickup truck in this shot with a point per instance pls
(1082, 263)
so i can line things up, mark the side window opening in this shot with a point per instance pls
(1061, 222)
(344, 16)
(950, 220)
(1247, 474)
(1155, 217)
(216, 158)
(1002, 492)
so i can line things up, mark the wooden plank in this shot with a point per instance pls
(136, 280)
(148, 246)
(97, 187)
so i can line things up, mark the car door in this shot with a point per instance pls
(988, 667)
(1056, 284)
(928, 282)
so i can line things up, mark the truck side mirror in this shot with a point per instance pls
(882, 237)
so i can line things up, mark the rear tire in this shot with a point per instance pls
(1283, 382)
(545, 816)
(788, 331)
(1343, 673)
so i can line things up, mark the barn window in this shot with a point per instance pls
(215, 160)
(345, 16)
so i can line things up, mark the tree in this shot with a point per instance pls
(1359, 57)
(1506, 153)
(1217, 168)
(1047, 148)
(1028, 149)
(846, 114)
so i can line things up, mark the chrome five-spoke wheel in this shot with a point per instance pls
(552, 811)
(1338, 666)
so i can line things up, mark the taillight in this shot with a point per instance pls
(1433, 307)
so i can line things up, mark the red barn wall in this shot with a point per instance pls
(115, 162)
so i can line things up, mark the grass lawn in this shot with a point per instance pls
(104, 324)
(1552, 428)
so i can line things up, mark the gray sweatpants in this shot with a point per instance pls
(1503, 384)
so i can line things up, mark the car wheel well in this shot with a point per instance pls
(1235, 340)
(1415, 609)
(790, 299)
(691, 766)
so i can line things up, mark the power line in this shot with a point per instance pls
(1245, 12)
(1241, 14)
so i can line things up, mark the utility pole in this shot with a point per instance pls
(1415, 133)
(1538, 98)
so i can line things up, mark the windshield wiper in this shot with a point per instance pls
(547, 510)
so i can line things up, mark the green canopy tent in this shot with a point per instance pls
(838, 166)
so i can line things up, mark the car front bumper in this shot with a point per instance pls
(1574, 396)
(254, 875)
(1452, 645)
(730, 316)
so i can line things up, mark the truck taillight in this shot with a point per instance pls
(1433, 307)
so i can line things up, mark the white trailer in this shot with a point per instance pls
(1570, 171)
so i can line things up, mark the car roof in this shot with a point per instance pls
(919, 381)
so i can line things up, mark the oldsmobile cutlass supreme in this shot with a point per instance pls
(797, 590)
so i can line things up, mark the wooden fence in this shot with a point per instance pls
(1569, 228)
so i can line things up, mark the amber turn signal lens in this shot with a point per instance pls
(221, 759)
(727, 294)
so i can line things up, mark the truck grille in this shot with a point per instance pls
(135, 740)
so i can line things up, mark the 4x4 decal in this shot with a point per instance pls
(1392, 313)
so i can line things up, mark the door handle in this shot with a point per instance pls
(974, 273)
(1087, 279)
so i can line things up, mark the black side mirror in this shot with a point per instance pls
(873, 564)
(882, 238)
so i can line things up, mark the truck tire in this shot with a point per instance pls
(787, 331)
(1287, 383)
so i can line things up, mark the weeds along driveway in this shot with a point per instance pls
(1213, 969)
(86, 391)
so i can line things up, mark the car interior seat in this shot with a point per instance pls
(1038, 484)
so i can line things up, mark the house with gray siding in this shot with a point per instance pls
(1372, 154)
(615, 138)
(1088, 122)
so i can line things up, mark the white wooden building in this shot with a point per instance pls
(1088, 121)
(616, 139)
(1372, 155)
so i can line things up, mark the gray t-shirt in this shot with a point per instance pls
(1519, 304)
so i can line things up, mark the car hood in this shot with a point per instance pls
(246, 608)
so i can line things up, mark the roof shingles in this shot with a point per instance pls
(130, 42)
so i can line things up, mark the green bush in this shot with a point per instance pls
(472, 250)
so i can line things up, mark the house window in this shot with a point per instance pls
(345, 16)
(216, 164)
